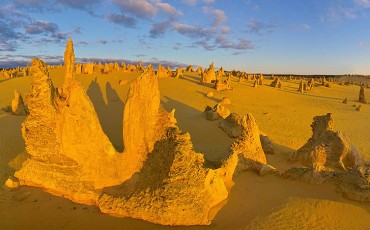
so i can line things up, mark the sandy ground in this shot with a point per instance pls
(254, 203)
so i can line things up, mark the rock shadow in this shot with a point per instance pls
(12, 145)
(206, 136)
(110, 114)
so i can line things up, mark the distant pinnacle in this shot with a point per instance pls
(69, 60)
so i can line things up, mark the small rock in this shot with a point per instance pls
(345, 101)
(210, 94)
(12, 182)
(225, 101)
(267, 169)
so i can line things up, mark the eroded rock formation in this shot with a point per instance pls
(247, 147)
(328, 149)
(158, 177)
(209, 75)
(361, 97)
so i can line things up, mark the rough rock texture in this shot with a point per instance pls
(209, 75)
(301, 88)
(217, 112)
(361, 97)
(355, 184)
(69, 150)
(173, 187)
(18, 107)
(210, 94)
(222, 85)
(232, 125)
(267, 145)
(178, 73)
(327, 149)
(247, 147)
(163, 72)
(276, 83)
(225, 101)
(158, 177)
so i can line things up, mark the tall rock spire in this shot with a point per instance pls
(69, 60)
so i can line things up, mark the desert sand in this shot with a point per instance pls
(254, 202)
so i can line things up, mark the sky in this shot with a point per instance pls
(259, 36)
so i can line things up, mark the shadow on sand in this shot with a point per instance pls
(110, 114)
(214, 146)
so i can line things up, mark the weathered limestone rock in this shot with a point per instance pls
(12, 182)
(301, 88)
(355, 183)
(189, 68)
(199, 70)
(222, 85)
(361, 97)
(247, 147)
(173, 187)
(267, 145)
(232, 125)
(267, 169)
(163, 72)
(209, 75)
(225, 101)
(158, 177)
(276, 83)
(255, 85)
(327, 149)
(210, 94)
(217, 112)
(260, 80)
(18, 107)
(178, 73)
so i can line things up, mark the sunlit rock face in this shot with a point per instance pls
(328, 149)
(158, 177)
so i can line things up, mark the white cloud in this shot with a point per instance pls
(219, 15)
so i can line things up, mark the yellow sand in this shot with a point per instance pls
(255, 202)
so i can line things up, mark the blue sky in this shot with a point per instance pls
(269, 36)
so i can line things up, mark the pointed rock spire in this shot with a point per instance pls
(69, 60)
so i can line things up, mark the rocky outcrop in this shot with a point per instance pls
(362, 97)
(178, 73)
(217, 112)
(355, 183)
(301, 87)
(209, 75)
(276, 83)
(18, 107)
(247, 147)
(328, 149)
(158, 177)
(222, 85)
(163, 72)
(267, 145)
(232, 125)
